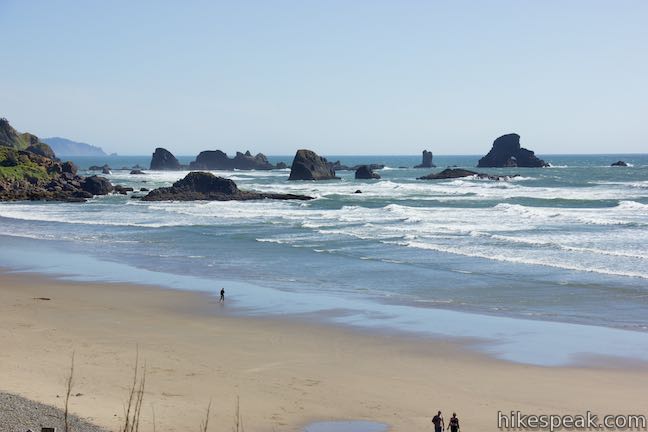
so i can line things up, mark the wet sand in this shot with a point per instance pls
(287, 372)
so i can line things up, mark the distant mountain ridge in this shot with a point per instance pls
(66, 147)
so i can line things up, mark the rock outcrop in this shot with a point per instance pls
(204, 186)
(366, 173)
(10, 137)
(218, 160)
(163, 160)
(28, 176)
(137, 172)
(308, 165)
(42, 149)
(506, 152)
(97, 185)
(426, 161)
(620, 164)
(29, 170)
(451, 173)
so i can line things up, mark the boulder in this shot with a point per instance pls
(451, 173)
(506, 152)
(123, 190)
(137, 172)
(106, 170)
(69, 167)
(307, 165)
(97, 185)
(365, 172)
(163, 160)
(426, 161)
(281, 165)
(208, 187)
(619, 164)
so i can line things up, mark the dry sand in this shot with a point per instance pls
(286, 372)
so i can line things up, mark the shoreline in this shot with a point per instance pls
(287, 372)
(510, 338)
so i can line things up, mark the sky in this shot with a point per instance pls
(337, 77)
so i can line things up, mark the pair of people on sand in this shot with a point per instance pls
(439, 423)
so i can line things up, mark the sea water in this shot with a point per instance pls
(564, 244)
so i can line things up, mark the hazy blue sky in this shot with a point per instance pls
(340, 77)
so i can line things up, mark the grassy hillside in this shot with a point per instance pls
(14, 166)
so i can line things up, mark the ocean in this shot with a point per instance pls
(553, 252)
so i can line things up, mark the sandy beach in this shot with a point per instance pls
(287, 373)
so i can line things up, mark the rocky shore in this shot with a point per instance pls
(29, 170)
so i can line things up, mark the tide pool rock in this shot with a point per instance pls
(451, 173)
(365, 172)
(205, 186)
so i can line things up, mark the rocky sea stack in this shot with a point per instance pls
(506, 152)
(163, 160)
(308, 165)
(451, 173)
(426, 161)
(218, 160)
(620, 164)
(204, 186)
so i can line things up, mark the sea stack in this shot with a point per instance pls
(427, 160)
(163, 160)
(506, 152)
(218, 160)
(308, 165)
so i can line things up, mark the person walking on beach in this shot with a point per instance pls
(439, 424)
(222, 297)
(453, 423)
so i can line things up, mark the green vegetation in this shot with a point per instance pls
(15, 166)
(23, 141)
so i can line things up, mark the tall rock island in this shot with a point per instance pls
(506, 152)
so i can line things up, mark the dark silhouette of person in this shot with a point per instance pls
(222, 297)
(439, 424)
(453, 423)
